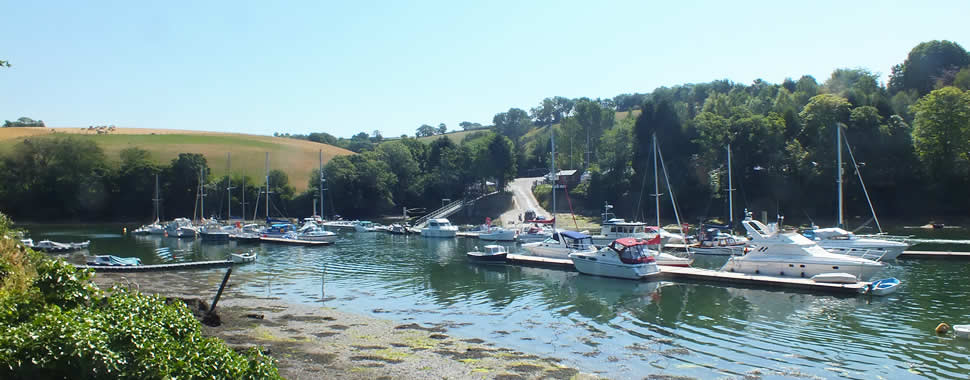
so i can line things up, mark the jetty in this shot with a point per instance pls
(709, 275)
(935, 255)
(158, 267)
(311, 243)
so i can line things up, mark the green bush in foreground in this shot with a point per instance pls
(62, 326)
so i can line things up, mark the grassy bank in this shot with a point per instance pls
(297, 158)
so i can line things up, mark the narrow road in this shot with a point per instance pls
(524, 200)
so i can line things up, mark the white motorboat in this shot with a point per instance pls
(242, 258)
(534, 233)
(496, 233)
(313, 232)
(712, 241)
(495, 253)
(780, 253)
(624, 258)
(348, 225)
(561, 244)
(150, 229)
(612, 228)
(439, 228)
(841, 241)
(213, 232)
(180, 227)
(399, 229)
(365, 226)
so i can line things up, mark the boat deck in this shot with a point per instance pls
(293, 241)
(468, 234)
(540, 261)
(158, 267)
(934, 255)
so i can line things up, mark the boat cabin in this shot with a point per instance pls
(632, 251)
(573, 239)
(828, 234)
(494, 250)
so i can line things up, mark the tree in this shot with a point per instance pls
(404, 166)
(135, 184)
(425, 131)
(182, 183)
(4, 63)
(962, 79)
(925, 64)
(442, 129)
(941, 133)
(512, 124)
(279, 184)
(500, 161)
(594, 120)
(467, 125)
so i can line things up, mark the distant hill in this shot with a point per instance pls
(456, 136)
(297, 158)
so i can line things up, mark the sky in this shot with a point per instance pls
(391, 66)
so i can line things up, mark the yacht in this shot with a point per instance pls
(623, 258)
(712, 240)
(180, 227)
(781, 253)
(496, 233)
(561, 244)
(312, 232)
(613, 228)
(841, 241)
(534, 233)
(214, 232)
(439, 228)
(364, 226)
(278, 230)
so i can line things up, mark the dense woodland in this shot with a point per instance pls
(910, 138)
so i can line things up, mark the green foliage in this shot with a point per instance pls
(23, 121)
(941, 131)
(62, 326)
(512, 124)
(925, 64)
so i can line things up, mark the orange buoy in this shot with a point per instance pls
(942, 328)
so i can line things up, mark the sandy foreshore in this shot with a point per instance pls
(313, 342)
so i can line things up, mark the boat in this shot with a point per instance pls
(439, 228)
(884, 286)
(712, 240)
(364, 226)
(347, 225)
(277, 230)
(245, 237)
(838, 240)
(627, 258)
(534, 233)
(962, 331)
(496, 233)
(561, 244)
(492, 253)
(312, 232)
(111, 260)
(180, 227)
(53, 246)
(213, 232)
(612, 228)
(399, 229)
(242, 258)
(155, 228)
(787, 253)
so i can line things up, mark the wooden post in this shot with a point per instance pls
(221, 287)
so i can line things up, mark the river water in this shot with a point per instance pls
(616, 328)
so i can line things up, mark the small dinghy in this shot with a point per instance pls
(112, 260)
(884, 286)
(492, 252)
(962, 331)
(242, 258)
(836, 278)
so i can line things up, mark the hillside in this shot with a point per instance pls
(297, 158)
(455, 136)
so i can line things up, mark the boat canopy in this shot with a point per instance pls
(631, 251)
(574, 235)
(828, 233)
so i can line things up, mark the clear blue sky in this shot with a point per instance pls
(342, 68)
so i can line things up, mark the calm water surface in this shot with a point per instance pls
(618, 328)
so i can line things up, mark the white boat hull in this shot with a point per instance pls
(498, 236)
(871, 253)
(439, 233)
(600, 267)
(727, 250)
(552, 251)
(789, 268)
(326, 238)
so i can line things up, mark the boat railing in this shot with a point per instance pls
(874, 255)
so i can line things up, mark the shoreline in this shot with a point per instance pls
(311, 342)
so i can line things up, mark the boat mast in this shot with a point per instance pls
(656, 181)
(158, 215)
(552, 172)
(267, 185)
(730, 190)
(321, 184)
(838, 169)
(228, 186)
(244, 198)
(202, 194)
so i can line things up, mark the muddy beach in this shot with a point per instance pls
(316, 341)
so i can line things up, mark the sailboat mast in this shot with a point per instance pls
(552, 172)
(228, 186)
(730, 190)
(656, 181)
(244, 198)
(201, 193)
(158, 216)
(321, 184)
(267, 185)
(838, 168)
